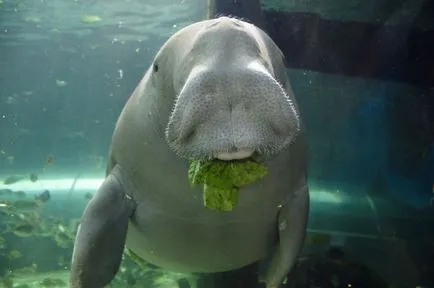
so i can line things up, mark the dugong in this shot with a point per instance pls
(216, 89)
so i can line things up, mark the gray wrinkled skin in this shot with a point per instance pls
(216, 85)
(228, 98)
(231, 103)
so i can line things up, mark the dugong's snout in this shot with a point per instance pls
(231, 113)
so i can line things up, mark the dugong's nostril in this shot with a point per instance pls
(180, 128)
(188, 136)
(191, 108)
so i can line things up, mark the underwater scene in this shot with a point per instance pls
(362, 78)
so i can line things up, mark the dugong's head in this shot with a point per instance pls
(231, 98)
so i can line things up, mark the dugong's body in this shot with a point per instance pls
(216, 89)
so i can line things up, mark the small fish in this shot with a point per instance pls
(23, 230)
(24, 217)
(26, 205)
(33, 177)
(5, 204)
(50, 161)
(27, 93)
(73, 185)
(90, 19)
(43, 196)
(61, 228)
(13, 179)
(5, 208)
(14, 254)
(61, 83)
(88, 196)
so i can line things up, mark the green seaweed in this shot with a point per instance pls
(223, 179)
(220, 199)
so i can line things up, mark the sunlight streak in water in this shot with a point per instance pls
(63, 185)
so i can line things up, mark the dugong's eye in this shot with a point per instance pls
(155, 67)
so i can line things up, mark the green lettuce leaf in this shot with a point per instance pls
(220, 199)
(223, 179)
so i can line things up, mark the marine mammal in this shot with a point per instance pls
(216, 89)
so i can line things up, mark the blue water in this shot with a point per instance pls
(63, 84)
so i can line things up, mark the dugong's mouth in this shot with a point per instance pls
(237, 155)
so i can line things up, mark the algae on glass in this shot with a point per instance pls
(223, 179)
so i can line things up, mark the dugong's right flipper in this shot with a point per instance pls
(101, 235)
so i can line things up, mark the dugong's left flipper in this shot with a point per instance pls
(101, 235)
(293, 217)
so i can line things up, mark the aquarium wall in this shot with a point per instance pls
(362, 76)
